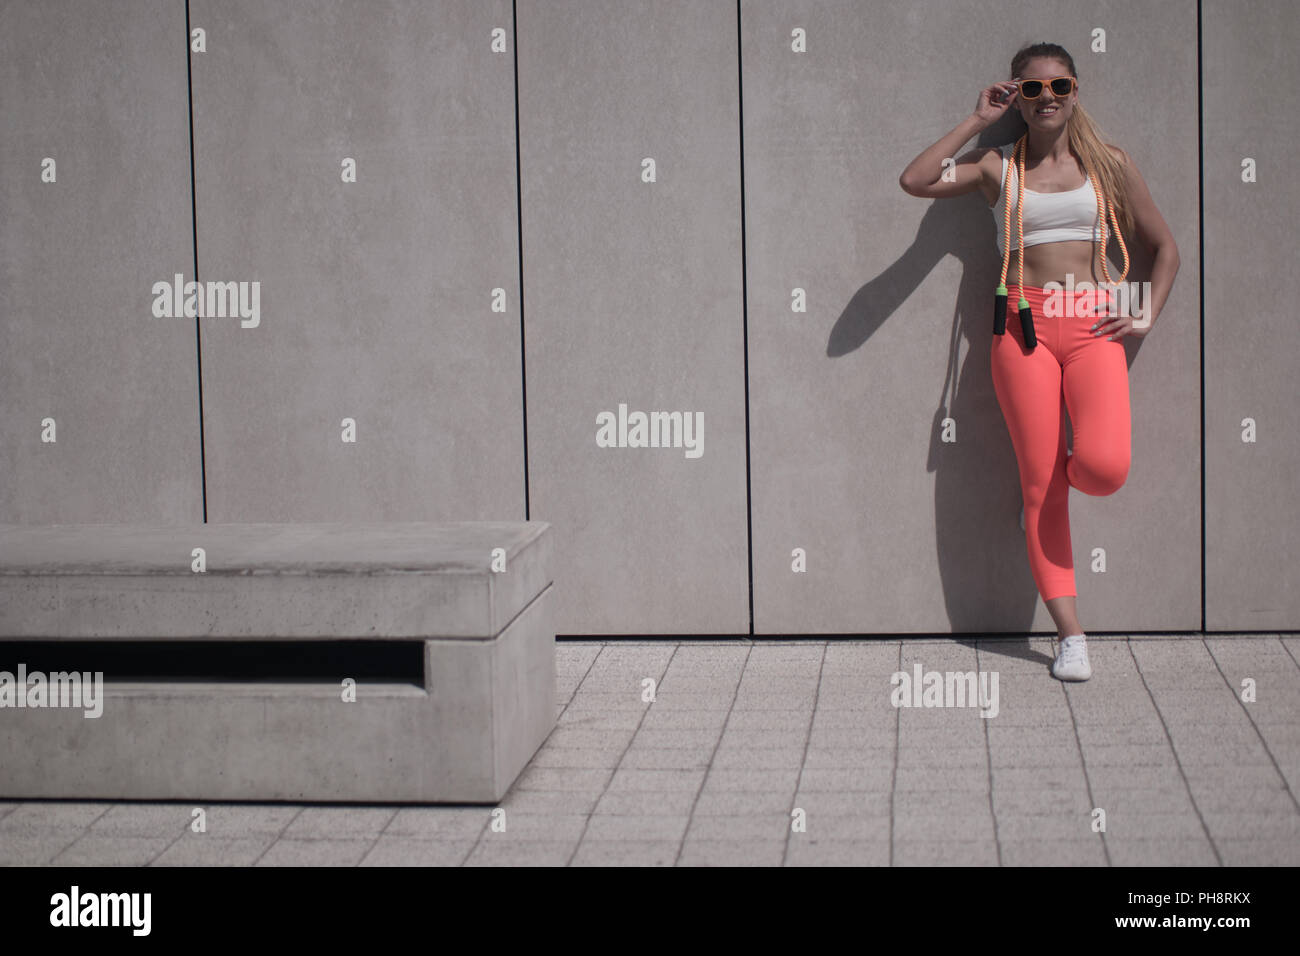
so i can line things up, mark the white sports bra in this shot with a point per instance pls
(1049, 217)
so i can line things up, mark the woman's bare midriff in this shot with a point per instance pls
(1054, 261)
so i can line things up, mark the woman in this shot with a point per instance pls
(1064, 191)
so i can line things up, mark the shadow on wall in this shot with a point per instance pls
(983, 564)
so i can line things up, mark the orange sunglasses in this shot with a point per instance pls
(1033, 89)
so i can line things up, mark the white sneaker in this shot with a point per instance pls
(1072, 659)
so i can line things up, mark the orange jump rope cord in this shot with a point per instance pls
(1106, 208)
(1006, 219)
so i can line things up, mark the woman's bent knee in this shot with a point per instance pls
(1099, 478)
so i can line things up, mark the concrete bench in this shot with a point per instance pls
(360, 662)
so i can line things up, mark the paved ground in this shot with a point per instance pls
(745, 740)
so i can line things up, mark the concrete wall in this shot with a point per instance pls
(95, 208)
(508, 266)
(1252, 337)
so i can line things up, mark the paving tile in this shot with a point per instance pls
(578, 758)
(714, 803)
(766, 738)
(204, 849)
(1138, 778)
(1014, 779)
(91, 850)
(833, 852)
(1043, 827)
(751, 758)
(856, 719)
(1061, 755)
(678, 737)
(663, 758)
(842, 758)
(846, 826)
(487, 853)
(1252, 825)
(876, 778)
(544, 801)
(1233, 796)
(660, 719)
(596, 718)
(534, 828)
(1067, 851)
(743, 852)
(645, 828)
(874, 740)
(1129, 755)
(626, 853)
(945, 852)
(450, 823)
(793, 701)
(927, 827)
(34, 847)
(632, 803)
(1038, 802)
(591, 780)
(764, 826)
(1188, 851)
(779, 781)
(286, 852)
(568, 736)
(974, 757)
(339, 823)
(1116, 800)
(54, 814)
(647, 781)
(768, 720)
(693, 700)
(1129, 826)
(145, 819)
(875, 803)
(237, 820)
(1257, 852)
(942, 778)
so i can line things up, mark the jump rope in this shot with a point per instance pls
(1000, 297)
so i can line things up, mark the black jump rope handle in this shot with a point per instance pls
(1026, 320)
(1027, 326)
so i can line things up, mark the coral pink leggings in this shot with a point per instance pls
(1070, 369)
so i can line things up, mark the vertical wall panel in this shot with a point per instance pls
(903, 531)
(634, 298)
(1252, 332)
(100, 90)
(376, 296)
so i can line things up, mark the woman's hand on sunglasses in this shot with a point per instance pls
(995, 100)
